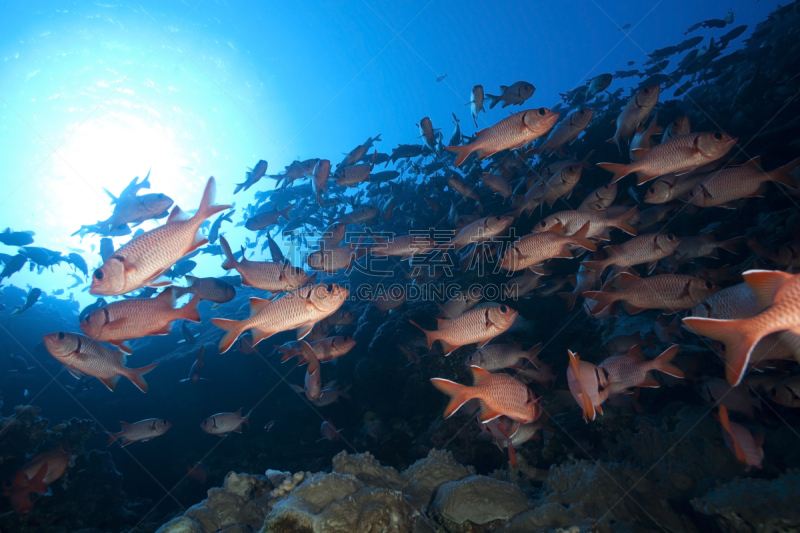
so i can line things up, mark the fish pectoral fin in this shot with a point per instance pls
(116, 324)
(122, 346)
(238, 430)
(483, 343)
(304, 330)
(75, 373)
(487, 413)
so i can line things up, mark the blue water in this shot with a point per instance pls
(93, 94)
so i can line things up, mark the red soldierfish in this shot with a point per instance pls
(636, 111)
(681, 156)
(779, 293)
(300, 309)
(747, 448)
(499, 394)
(632, 370)
(81, 355)
(313, 380)
(223, 423)
(588, 384)
(141, 261)
(476, 326)
(512, 132)
(143, 430)
(134, 318)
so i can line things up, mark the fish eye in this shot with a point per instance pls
(503, 309)
(606, 186)
(329, 286)
(670, 237)
(709, 285)
(582, 112)
(571, 168)
(646, 90)
(542, 111)
(651, 190)
(98, 274)
(61, 335)
(718, 135)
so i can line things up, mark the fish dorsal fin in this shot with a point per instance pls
(239, 413)
(257, 304)
(635, 353)
(177, 215)
(481, 132)
(479, 375)
(754, 164)
(765, 284)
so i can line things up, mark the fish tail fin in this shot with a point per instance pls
(180, 291)
(112, 437)
(663, 363)
(430, 336)
(230, 261)
(603, 299)
(207, 207)
(493, 100)
(233, 328)
(624, 224)
(580, 238)
(246, 419)
(596, 266)
(462, 152)
(731, 245)
(618, 169)
(136, 375)
(459, 394)
(738, 341)
(189, 311)
(570, 297)
(783, 174)
(285, 212)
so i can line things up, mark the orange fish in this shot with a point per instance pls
(636, 112)
(23, 488)
(669, 292)
(512, 132)
(779, 293)
(587, 383)
(748, 449)
(326, 349)
(566, 131)
(598, 221)
(681, 155)
(141, 261)
(300, 309)
(534, 249)
(476, 326)
(81, 355)
(641, 249)
(313, 380)
(135, 318)
(642, 137)
(720, 188)
(499, 394)
(631, 370)
(265, 275)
